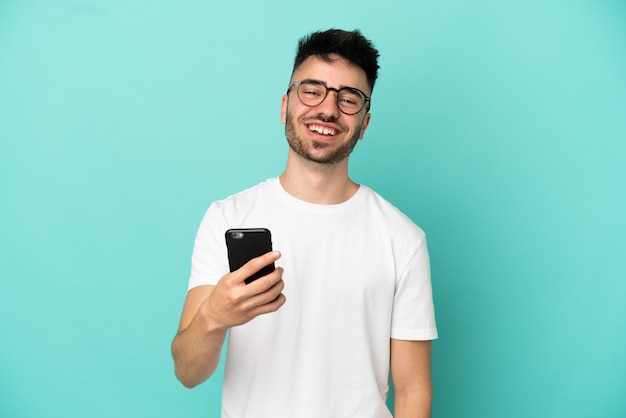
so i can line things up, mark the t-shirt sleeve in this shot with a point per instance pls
(413, 316)
(209, 260)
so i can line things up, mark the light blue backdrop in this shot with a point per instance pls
(499, 127)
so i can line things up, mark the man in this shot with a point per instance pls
(351, 297)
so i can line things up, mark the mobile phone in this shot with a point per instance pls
(245, 244)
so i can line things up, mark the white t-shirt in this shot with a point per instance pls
(356, 274)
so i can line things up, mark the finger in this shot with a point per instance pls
(262, 284)
(265, 289)
(256, 264)
(269, 307)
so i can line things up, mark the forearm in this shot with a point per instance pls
(196, 351)
(410, 369)
(415, 404)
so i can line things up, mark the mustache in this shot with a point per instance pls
(326, 119)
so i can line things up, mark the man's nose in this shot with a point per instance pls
(329, 104)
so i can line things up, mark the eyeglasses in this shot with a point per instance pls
(311, 93)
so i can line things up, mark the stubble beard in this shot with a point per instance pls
(299, 146)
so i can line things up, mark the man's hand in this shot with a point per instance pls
(233, 302)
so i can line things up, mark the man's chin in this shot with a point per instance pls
(322, 155)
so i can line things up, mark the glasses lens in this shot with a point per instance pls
(311, 92)
(350, 101)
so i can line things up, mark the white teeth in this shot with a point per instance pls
(322, 130)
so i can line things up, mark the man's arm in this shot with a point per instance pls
(410, 372)
(209, 311)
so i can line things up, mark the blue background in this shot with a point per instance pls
(499, 127)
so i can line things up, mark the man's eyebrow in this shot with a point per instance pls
(341, 86)
(353, 88)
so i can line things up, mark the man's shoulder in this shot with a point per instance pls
(394, 217)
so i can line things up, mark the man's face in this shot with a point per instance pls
(322, 133)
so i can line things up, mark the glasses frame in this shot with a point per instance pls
(296, 84)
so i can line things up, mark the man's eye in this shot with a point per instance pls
(312, 93)
(348, 101)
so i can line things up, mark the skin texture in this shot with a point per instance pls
(316, 172)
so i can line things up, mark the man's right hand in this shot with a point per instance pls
(232, 302)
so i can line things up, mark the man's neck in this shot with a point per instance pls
(317, 183)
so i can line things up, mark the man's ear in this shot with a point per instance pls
(366, 121)
(283, 110)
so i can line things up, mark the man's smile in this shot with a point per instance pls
(324, 130)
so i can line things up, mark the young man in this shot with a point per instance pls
(351, 297)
